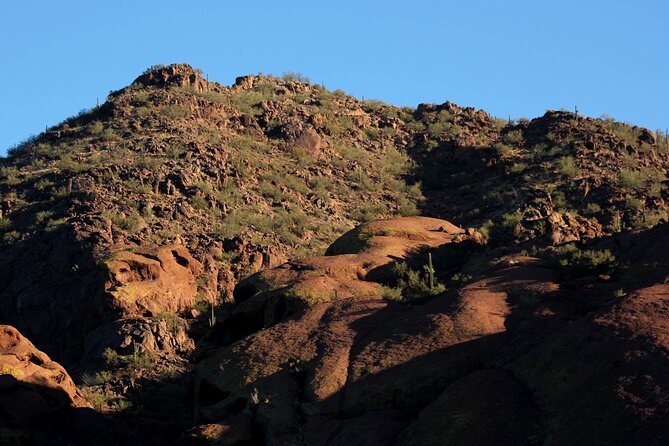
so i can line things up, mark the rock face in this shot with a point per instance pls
(496, 361)
(147, 283)
(32, 386)
(181, 75)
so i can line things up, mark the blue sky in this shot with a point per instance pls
(515, 58)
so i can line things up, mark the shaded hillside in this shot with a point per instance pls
(562, 176)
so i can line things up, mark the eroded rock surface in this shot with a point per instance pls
(32, 386)
(497, 361)
(142, 282)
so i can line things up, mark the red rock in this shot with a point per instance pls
(32, 386)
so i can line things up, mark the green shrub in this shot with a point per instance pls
(174, 111)
(12, 237)
(369, 212)
(514, 137)
(392, 293)
(101, 377)
(567, 167)
(511, 220)
(444, 127)
(5, 224)
(9, 175)
(130, 223)
(96, 128)
(198, 202)
(574, 262)
(42, 216)
(110, 356)
(412, 285)
(291, 76)
(141, 359)
(631, 179)
(502, 149)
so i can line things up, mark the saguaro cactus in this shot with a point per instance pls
(212, 318)
(430, 270)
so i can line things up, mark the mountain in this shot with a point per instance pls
(276, 263)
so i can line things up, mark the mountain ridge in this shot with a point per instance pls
(182, 221)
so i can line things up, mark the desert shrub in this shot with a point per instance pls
(214, 97)
(514, 137)
(406, 208)
(174, 111)
(246, 101)
(172, 320)
(96, 128)
(42, 216)
(270, 190)
(5, 224)
(175, 151)
(518, 168)
(411, 285)
(648, 219)
(444, 127)
(11, 237)
(198, 202)
(155, 67)
(574, 262)
(502, 148)
(110, 356)
(537, 152)
(631, 179)
(339, 125)
(96, 397)
(351, 153)
(369, 212)
(634, 204)
(291, 76)
(42, 184)
(511, 220)
(141, 359)
(58, 193)
(131, 222)
(96, 379)
(9, 175)
(373, 105)
(294, 183)
(567, 166)
(53, 225)
(69, 164)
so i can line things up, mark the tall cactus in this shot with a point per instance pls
(212, 318)
(430, 270)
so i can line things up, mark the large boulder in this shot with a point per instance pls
(181, 75)
(32, 386)
(143, 282)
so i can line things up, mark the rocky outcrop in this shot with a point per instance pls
(181, 75)
(495, 361)
(32, 386)
(149, 282)
(335, 302)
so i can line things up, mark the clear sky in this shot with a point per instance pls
(510, 57)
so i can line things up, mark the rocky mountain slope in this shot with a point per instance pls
(187, 250)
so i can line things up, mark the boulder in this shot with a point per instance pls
(147, 282)
(32, 386)
(182, 75)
